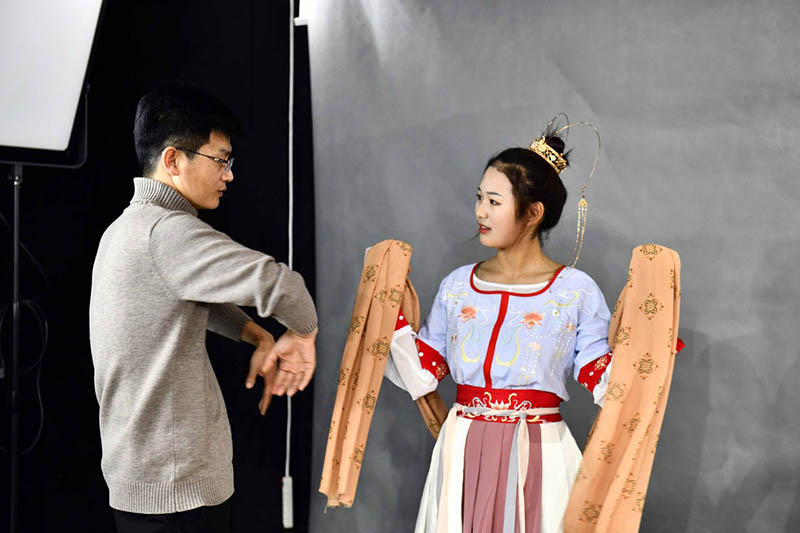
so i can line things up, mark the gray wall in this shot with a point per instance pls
(697, 102)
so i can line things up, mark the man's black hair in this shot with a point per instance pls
(178, 114)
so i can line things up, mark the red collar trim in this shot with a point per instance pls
(540, 291)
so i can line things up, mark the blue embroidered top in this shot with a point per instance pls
(508, 340)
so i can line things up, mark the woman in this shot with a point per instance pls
(511, 331)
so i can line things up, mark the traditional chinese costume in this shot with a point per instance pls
(504, 460)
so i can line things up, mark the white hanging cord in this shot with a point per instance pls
(286, 482)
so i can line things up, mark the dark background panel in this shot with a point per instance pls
(239, 52)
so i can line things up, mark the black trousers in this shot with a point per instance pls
(216, 519)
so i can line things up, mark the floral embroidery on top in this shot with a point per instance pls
(532, 319)
(467, 313)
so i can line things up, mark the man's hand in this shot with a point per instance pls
(296, 357)
(264, 342)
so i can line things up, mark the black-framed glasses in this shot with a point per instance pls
(227, 164)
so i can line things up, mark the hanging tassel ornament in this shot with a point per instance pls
(583, 214)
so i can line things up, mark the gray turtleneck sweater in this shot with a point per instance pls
(161, 278)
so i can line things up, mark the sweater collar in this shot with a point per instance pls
(152, 191)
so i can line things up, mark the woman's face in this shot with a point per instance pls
(495, 211)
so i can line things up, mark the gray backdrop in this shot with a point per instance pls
(697, 102)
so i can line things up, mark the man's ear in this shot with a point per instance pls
(169, 159)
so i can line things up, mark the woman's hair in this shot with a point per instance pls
(534, 180)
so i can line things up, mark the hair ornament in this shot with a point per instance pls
(556, 160)
(549, 154)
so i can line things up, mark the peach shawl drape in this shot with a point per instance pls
(610, 488)
(384, 291)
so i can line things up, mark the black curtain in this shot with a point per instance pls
(239, 52)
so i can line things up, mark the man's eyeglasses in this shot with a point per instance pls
(226, 163)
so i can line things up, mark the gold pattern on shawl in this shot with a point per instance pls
(671, 341)
(396, 296)
(331, 429)
(616, 308)
(651, 306)
(369, 401)
(381, 295)
(645, 366)
(343, 375)
(606, 452)
(405, 247)
(370, 272)
(630, 425)
(615, 391)
(590, 512)
(355, 380)
(629, 281)
(638, 504)
(356, 322)
(650, 251)
(623, 336)
(629, 486)
(379, 348)
(358, 456)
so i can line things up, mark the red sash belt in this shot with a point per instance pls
(507, 400)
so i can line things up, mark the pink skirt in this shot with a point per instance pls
(473, 484)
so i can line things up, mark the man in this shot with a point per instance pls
(161, 278)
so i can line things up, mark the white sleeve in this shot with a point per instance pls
(404, 368)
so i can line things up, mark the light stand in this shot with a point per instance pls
(16, 179)
(79, 155)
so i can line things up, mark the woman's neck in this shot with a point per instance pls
(523, 262)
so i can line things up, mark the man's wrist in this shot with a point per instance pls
(310, 336)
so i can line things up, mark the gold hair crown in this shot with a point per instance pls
(549, 154)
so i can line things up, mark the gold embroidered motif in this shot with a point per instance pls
(590, 512)
(638, 504)
(606, 452)
(615, 391)
(369, 401)
(629, 281)
(601, 363)
(623, 336)
(645, 366)
(406, 248)
(356, 323)
(379, 348)
(396, 296)
(381, 295)
(650, 251)
(651, 306)
(370, 272)
(330, 430)
(629, 487)
(616, 308)
(358, 456)
(631, 424)
(343, 375)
